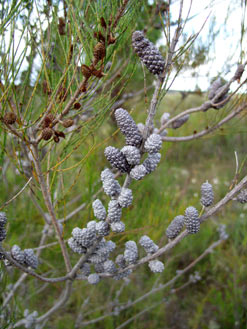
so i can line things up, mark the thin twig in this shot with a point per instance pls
(15, 196)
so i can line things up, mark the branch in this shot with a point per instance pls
(47, 199)
(206, 131)
(229, 196)
(61, 302)
(160, 287)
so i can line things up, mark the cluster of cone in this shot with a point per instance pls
(126, 160)
(191, 218)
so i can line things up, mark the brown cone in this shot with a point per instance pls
(9, 118)
(102, 22)
(98, 52)
(47, 133)
(68, 123)
(48, 120)
(77, 106)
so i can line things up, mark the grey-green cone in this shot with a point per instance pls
(207, 194)
(239, 72)
(216, 88)
(128, 127)
(114, 211)
(175, 227)
(181, 121)
(138, 172)
(153, 143)
(156, 266)
(191, 220)
(242, 196)
(151, 162)
(99, 210)
(125, 198)
(117, 159)
(148, 244)
(132, 154)
(148, 53)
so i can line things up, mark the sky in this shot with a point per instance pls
(225, 54)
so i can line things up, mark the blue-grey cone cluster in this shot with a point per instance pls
(114, 211)
(242, 196)
(93, 278)
(86, 269)
(151, 162)
(216, 87)
(156, 266)
(99, 210)
(3, 221)
(117, 159)
(180, 121)
(126, 160)
(83, 238)
(128, 127)
(138, 172)
(118, 227)
(132, 154)
(239, 72)
(125, 198)
(122, 264)
(149, 246)
(153, 143)
(164, 118)
(148, 53)
(195, 277)
(25, 257)
(191, 220)
(110, 185)
(175, 227)
(102, 252)
(131, 252)
(102, 228)
(207, 194)
(110, 267)
(30, 319)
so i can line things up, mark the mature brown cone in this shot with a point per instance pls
(48, 120)
(86, 71)
(99, 52)
(9, 118)
(61, 26)
(68, 123)
(77, 106)
(102, 22)
(47, 133)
